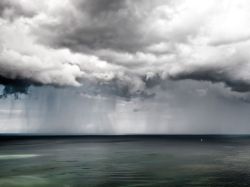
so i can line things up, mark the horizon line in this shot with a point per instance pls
(130, 134)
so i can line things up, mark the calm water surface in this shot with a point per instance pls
(125, 162)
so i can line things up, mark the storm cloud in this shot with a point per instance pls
(125, 47)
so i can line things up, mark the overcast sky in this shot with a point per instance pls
(125, 66)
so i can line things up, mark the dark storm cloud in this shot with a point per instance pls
(96, 8)
(10, 9)
(13, 87)
(125, 47)
(97, 24)
(215, 77)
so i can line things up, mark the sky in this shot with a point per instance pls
(125, 66)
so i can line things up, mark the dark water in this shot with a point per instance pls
(125, 161)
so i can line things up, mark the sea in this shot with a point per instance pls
(125, 161)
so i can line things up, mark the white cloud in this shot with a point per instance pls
(69, 42)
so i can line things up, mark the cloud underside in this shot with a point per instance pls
(124, 46)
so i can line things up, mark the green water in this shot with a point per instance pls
(124, 162)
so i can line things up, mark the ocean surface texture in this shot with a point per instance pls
(125, 161)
